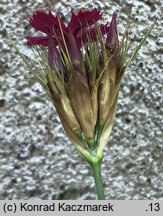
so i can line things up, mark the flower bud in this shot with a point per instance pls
(112, 41)
(80, 98)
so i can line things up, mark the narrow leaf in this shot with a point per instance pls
(140, 45)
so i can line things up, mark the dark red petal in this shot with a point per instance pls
(45, 22)
(42, 21)
(112, 41)
(92, 35)
(43, 41)
(84, 19)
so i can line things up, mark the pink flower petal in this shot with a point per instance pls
(40, 40)
(45, 22)
(83, 19)
(42, 21)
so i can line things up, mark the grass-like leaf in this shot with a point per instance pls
(140, 45)
(22, 56)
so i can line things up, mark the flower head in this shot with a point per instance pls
(81, 66)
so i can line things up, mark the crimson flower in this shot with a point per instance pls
(80, 68)
(84, 60)
(80, 30)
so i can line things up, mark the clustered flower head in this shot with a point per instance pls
(80, 65)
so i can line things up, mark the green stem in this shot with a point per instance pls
(96, 167)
